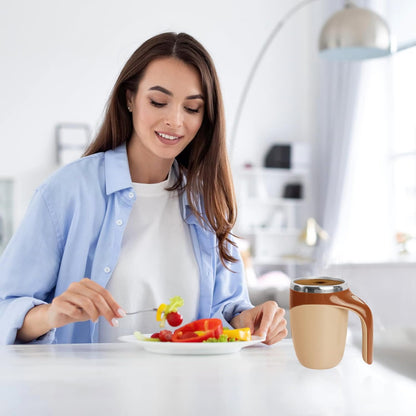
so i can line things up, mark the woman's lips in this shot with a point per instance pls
(167, 138)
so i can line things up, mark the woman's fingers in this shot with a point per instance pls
(269, 318)
(277, 332)
(265, 320)
(62, 305)
(81, 306)
(82, 301)
(106, 295)
(94, 299)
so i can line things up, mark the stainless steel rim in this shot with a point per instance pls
(319, 284)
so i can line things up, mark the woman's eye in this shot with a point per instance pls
(192, 110)
(157, 104)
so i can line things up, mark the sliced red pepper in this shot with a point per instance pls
(198, 331)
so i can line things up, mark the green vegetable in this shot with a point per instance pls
(222, 338)
(141, 337)
(175, 303)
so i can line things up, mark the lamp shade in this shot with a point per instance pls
(355, 33)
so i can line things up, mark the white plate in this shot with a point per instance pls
(192, 348)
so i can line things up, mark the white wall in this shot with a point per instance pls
(59, 60)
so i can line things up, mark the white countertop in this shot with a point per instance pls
(122, 379)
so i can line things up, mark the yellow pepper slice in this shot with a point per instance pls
(160, 311)
(240, 334)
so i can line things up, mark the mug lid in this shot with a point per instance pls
(318, 285)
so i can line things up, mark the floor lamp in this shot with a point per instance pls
(353, 33)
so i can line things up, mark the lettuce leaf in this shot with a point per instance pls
(142, 337)
(222, 338)
(174, 303)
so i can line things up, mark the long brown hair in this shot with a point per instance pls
(204, 160)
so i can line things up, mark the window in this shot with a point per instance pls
(378, 214)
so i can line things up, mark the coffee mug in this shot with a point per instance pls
(319, 319)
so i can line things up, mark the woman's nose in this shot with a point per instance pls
(174, 118)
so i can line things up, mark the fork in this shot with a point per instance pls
(142, 310)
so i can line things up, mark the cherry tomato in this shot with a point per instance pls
(165, 335)
(174, 318)
(155, 335)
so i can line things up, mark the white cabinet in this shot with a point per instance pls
(273, 206)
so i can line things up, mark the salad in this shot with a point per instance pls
(201, 330)
(170, 312)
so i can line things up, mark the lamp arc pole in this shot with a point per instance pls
(256, 64)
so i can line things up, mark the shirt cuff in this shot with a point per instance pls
(230, 310)
(13, 313)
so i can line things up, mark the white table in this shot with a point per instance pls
(122, 379)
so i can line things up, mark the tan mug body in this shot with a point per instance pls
(319, 319)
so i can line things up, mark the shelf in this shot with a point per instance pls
(260, 171)
(282, 261)
(257, 230)
(286, 232)
(271, 223)
(274, 201)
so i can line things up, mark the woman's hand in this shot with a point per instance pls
(82, 301)
(266, 320)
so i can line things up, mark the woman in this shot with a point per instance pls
(145, 215)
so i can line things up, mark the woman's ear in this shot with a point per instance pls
(129, 99)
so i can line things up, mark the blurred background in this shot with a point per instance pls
(324, 154)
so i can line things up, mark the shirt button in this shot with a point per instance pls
(119, 222)
(131, 195)
(107, 269)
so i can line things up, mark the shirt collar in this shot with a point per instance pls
(117, 172)
(117, 178)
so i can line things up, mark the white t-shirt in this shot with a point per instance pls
(157, 261)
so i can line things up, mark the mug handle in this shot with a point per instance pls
(347, 300)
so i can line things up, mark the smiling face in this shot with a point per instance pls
(167, 112)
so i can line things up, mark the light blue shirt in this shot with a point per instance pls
(73, 229)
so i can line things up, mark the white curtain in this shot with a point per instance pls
(365, 228)
(338, 97)
(338, 102)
